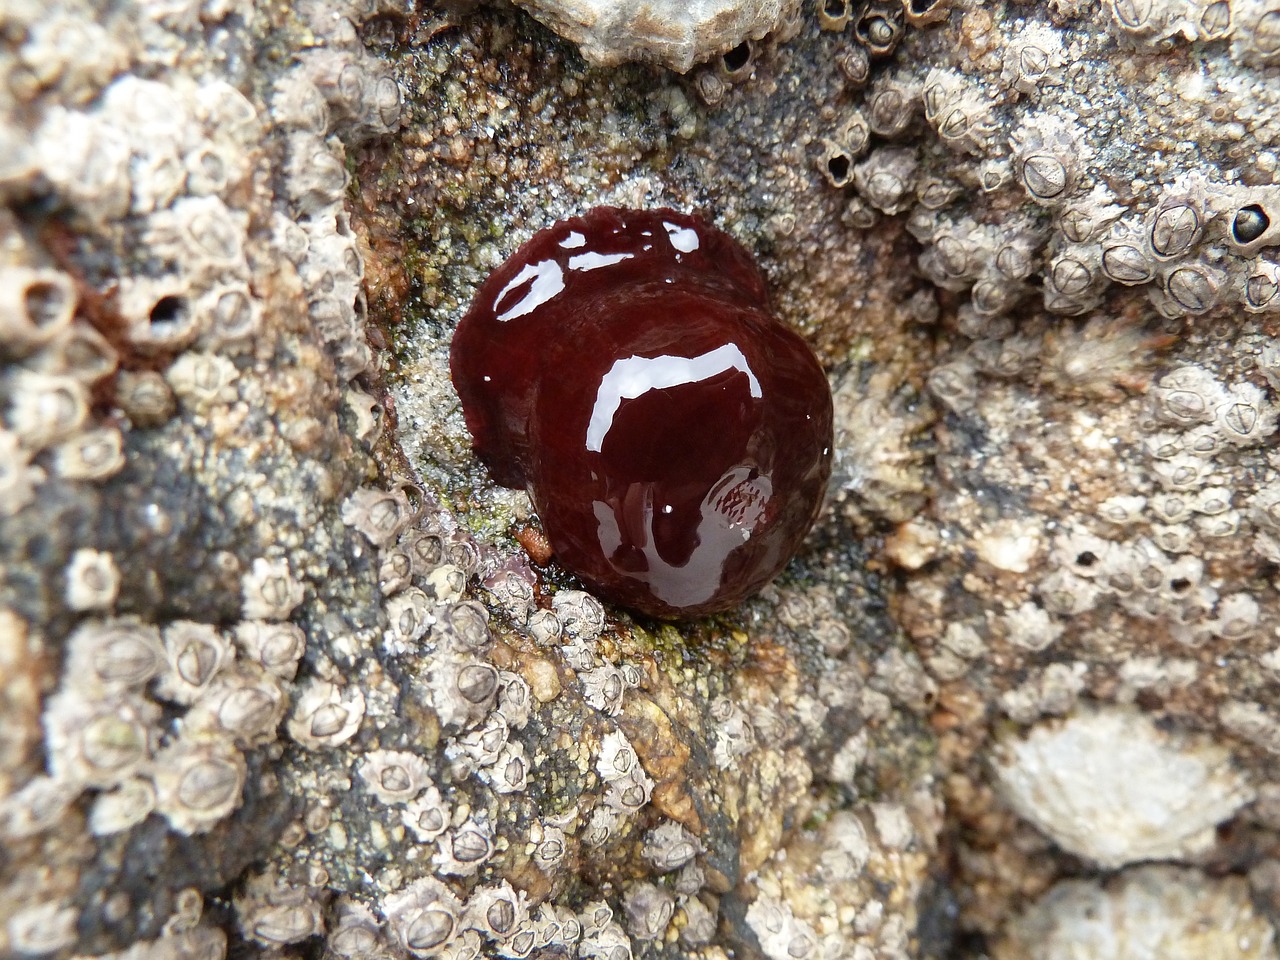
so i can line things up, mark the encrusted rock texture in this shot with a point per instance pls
(282, 673)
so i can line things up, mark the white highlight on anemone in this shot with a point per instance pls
(684, 239)
(632, 377)
(547, 278)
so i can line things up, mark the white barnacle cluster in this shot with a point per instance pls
(335, 88)
(674, 34)
(428, 918)
(106, 732)
(1109, 785)
(52, 361)
(1148, 554)
(839, 896)
(1020, 191)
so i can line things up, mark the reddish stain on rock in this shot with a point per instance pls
(675, 438)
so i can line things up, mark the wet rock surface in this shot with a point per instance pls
(283, 673)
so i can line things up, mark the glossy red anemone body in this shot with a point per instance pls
(674, 436)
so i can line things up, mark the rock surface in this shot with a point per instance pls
(283, 673)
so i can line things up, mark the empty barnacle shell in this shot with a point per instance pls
(836, 163)
(196, 652)
(1253, 219)
(114, 655)
(159, 313)
(423, 917)
(326, 715)
(394, 776)
(277, 647)
(36, 306)
(93, 580)
(834, 14)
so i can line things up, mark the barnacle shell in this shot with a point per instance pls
(1111, 786)
(674, 34)
(1164, 911)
